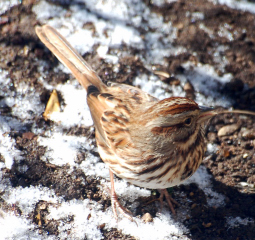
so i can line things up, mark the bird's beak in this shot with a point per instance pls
(206, 113)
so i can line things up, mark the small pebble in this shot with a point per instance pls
(28, 135)
(189, 90)
(193, 205)
(245, 184)
(228, 130)
(147, 218)
(207, 225)
(248, 134)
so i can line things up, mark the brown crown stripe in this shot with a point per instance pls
(177, 109)
(178, 100)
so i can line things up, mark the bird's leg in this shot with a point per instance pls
(169, 199)
(115, 203)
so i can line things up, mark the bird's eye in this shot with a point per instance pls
(187, 121)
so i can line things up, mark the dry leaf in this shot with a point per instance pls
(52, 105)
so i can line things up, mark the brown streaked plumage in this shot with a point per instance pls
(150, 143)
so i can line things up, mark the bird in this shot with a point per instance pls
(151, 143)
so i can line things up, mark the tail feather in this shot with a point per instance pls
(69, 57)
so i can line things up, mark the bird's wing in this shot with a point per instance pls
(133, 93)
(111, 119)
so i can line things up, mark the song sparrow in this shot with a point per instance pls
(149, 143)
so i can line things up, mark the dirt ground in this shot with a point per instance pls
(232, 166)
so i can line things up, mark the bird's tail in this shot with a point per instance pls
(66, 54)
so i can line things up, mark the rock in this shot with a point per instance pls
(212, 137)
(189, 89)
(147, 217)
(228, 130)
(248, 134)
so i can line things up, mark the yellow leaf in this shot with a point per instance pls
(52, 105)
